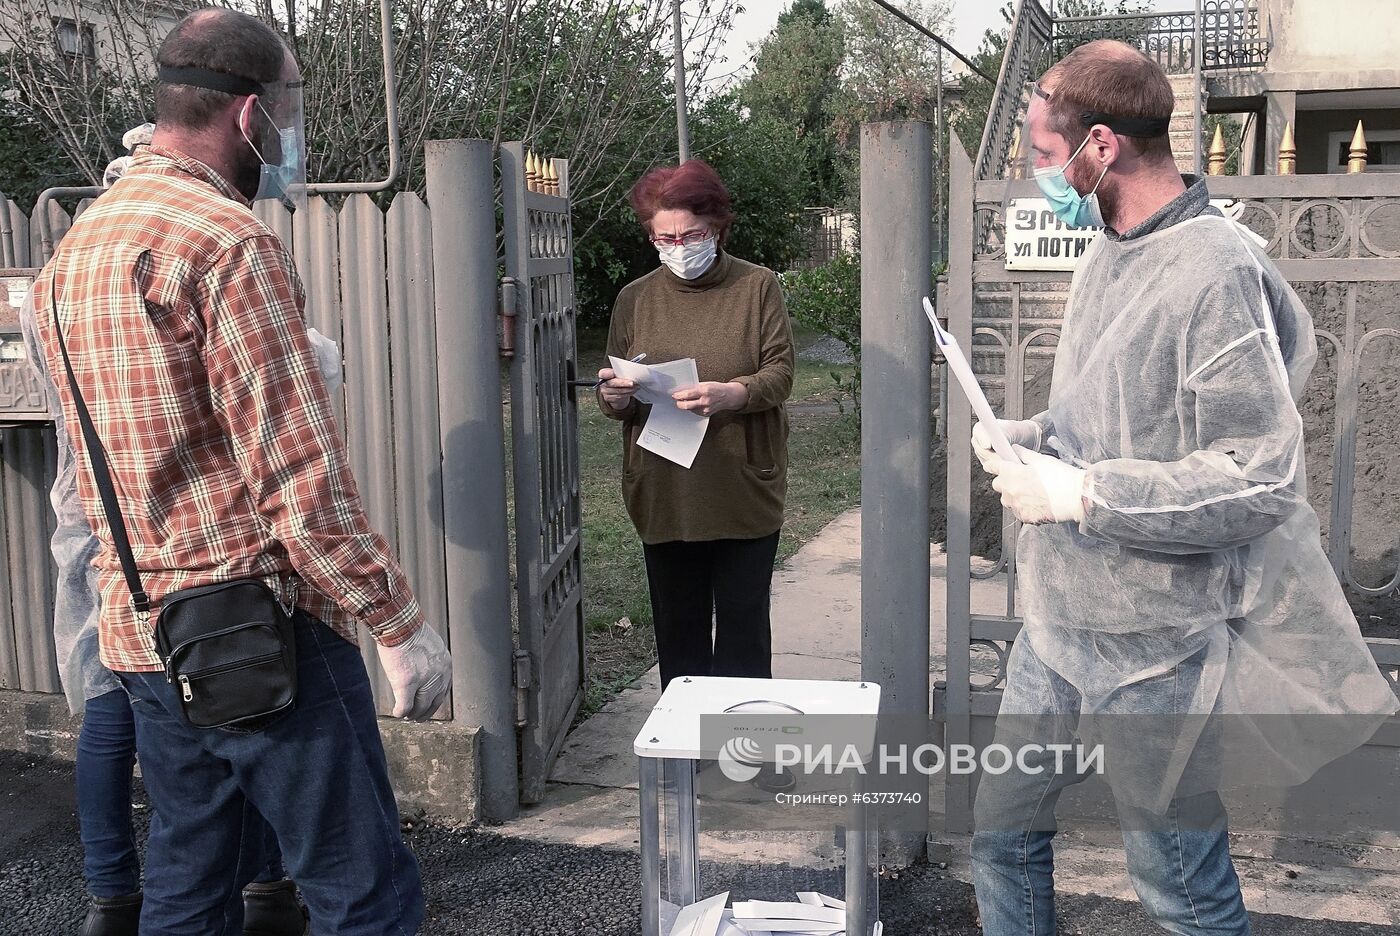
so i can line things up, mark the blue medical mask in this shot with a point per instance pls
(1069, 206)
(276, 179)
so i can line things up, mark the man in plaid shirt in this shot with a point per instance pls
(182, 314)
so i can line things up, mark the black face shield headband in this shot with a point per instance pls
(1144, 127)
(210, 80)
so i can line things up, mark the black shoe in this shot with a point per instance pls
(272, 910)
(113, 916)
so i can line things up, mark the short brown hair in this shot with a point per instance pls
(1109, 77)
(218, 40)
(693, 186)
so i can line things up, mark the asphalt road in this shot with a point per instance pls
(481, 883)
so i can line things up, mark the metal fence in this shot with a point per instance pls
(827, 233)
(27, 465)
(1337, 240)
(1230, 35)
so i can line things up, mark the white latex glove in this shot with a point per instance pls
(138, 136)
(1043, 490)
(420, 672)
(1024, 432)
(327, 359)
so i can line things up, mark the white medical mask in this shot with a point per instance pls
(689, 261)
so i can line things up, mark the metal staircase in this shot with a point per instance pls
(1216, 36)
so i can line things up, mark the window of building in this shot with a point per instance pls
(1382, 150)
(75, 39)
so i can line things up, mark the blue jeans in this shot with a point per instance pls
(106, 752)
(317, 775)
(1179, 861)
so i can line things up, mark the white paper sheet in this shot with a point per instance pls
(671, 432)
(820, 900)
(970, 387)
(702, 918)
(781, 910)
(793, 927)
(727, 926)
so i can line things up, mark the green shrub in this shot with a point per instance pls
(826, 298)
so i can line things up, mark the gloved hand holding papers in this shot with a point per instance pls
(671, 432)
(970, 387)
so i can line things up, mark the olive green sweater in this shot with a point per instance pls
(733, 321)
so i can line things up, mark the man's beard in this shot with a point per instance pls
(247, 173)
(1084, 174)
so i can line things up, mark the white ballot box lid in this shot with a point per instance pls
(825, 711)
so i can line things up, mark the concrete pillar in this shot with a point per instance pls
(896, 210)
(460, 175)
(1280, 110)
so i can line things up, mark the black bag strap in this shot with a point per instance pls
(102, 475)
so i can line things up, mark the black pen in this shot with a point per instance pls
(595, 383)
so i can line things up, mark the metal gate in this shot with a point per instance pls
(1336, 238)
(539, 294)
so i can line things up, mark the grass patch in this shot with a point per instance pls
(823, 482)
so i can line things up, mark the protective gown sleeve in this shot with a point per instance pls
(1244, 478)
(1047, 429)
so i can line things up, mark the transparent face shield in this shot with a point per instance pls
(1021, 159)
(1018, 168)
(1036, 150)
(281, 144)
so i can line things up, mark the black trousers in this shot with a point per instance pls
(722, 582)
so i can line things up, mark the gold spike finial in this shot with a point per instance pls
(552, 176)
(533, 173)
(1215, 163)
(1356, 161)
(1287, 152)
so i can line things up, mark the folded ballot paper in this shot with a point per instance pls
(812, 914)
(962, 370)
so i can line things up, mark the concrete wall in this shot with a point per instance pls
(1331, 35)
(1312, 128)
(434, 765)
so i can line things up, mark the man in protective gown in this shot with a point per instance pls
(1179, 609)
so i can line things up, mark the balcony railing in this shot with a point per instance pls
(1231, 36)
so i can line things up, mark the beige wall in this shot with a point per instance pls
(1328, 35)
(159, 20)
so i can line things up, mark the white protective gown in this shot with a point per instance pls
(1182, 357)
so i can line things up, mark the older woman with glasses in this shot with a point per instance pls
(709, 532)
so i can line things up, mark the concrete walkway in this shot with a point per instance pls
(816, 635)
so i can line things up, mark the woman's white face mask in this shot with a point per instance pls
(688, 261)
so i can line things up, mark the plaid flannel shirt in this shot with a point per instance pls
(183, 318)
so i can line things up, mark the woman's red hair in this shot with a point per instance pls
(692, 186)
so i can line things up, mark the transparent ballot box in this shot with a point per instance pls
(756, 815)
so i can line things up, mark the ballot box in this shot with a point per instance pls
(756, 815)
